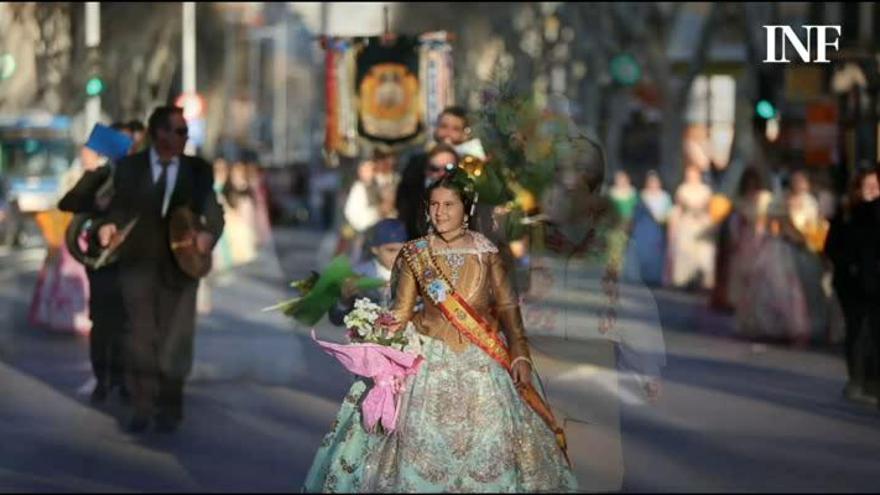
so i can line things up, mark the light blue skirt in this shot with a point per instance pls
(463, 428)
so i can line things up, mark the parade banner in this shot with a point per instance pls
(388, 90)
(385, 90)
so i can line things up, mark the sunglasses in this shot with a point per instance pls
(446, 167)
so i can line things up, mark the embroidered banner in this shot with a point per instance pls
(388, 90)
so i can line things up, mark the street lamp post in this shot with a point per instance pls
(93, 42)
(189, 59)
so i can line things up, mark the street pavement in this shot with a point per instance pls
(732, 416)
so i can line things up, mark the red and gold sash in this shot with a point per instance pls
(474, 327)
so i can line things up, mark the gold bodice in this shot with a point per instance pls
(478, 275)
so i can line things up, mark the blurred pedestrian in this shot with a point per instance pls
(646, 257)
(385, 242)
(843, 248)
(623, 196)
(771, 304)
(387, 181)
(866, 221)
(91, 195)
(361, 210)
(691, 245)
(805, 215)
(745, 229)
(260, 194)
(240, 216)
(159, 297)
(452, 129)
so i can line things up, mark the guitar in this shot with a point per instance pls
(183, 226)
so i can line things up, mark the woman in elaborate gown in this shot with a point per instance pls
(747, 227)
(770, 303)
(471, 420)
(646, 255)
(806, 216)
(691, 241)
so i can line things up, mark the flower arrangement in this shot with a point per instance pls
(378, 351)
(370, 323)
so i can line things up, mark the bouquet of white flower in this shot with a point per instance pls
(370, 323)
(377, 352)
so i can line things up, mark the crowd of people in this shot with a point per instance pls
(787, 260)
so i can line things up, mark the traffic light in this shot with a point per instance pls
(766, 102)
(625, 69)
(765, 109)
(94, 86)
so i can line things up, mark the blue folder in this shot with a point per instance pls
(109, 142)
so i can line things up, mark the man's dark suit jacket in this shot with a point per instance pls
(135, 196)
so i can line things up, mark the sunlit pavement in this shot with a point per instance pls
(731, 417)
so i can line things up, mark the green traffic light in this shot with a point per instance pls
(95, 86)
(625, 69)
(765, 109)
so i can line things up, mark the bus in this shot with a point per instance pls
(36, 151)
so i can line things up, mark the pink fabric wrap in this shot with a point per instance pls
(387, 367)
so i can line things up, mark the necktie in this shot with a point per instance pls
(161, 184)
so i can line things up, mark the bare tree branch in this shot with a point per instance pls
(702, 53)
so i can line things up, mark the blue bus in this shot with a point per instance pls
(35, 152)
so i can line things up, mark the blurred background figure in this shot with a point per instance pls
(362, 210)
(646, 255)
(843, 247)
(771, 303)
(805, 215)
(623, 196)
(256, 179)
(453, 128)
(691, 246)
(743, 232)
(387, 180)
(222, 255)
(240, 218)
(386, 239)
(61, 295)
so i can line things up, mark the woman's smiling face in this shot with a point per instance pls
(446, 210)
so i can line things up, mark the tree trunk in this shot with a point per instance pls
(671, 156)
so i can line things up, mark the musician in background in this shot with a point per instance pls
(452, 130)
(159, 297)
(90, 196)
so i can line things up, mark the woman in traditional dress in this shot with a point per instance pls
(747, 227)
(692, 247)
(61, 294)
(771, 304)
(805, 214)
(240, 220)
(646, 256)
(471, 419)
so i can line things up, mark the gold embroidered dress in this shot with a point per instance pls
(463, 426)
